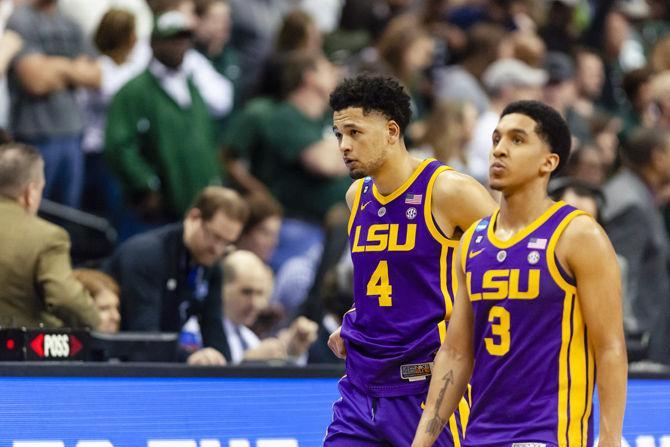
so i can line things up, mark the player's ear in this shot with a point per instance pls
(550, 163)
(393, 131)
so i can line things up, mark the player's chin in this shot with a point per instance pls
(356, 173)
(496, 184)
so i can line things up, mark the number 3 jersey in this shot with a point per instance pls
(403, 286)
(533, 376)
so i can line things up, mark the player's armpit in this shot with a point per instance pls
(588, 255)
(459, 201)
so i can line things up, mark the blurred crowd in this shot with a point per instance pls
(199, 130)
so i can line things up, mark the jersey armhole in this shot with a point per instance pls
(557, 271)
(433, 228)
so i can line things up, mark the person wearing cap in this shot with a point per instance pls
(161, 139)
(506, 80)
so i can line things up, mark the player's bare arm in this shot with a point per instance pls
(335, 342)
(458, 201)
(452, 368)
(587, 253)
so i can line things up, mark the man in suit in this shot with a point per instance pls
(37, 285)
(635, 226)
(169, 277)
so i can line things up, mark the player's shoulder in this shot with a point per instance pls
(355, 186)
(582, 232)
(450, 183)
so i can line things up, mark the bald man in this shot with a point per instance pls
(247, 286)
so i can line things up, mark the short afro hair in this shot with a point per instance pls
(374, 93)
(551, 127)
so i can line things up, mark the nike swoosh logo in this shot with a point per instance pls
(365, 204)
(475, 253)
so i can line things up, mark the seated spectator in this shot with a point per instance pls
(583, 195)
(38, 288)
(160, 139)
(586, 164)
(635, 226)
(105, 293)
(261, 232)
(247, 284)
(170, 274)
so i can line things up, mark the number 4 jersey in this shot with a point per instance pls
(533, 377)
(403, 286)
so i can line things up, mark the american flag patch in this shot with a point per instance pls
(413, 199)
(537, 243)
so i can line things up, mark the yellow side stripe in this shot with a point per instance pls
(454, 431)
(563, 372)
(577, 365)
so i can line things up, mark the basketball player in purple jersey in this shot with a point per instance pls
(406, 218)
(538, 320)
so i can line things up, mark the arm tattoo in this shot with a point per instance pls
(436, 424)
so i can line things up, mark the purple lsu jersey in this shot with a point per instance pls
(533, 376)
(403, 285)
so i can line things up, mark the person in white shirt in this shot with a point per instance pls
(247, 284)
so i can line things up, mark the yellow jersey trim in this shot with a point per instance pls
(442, 329)
(354, 206)
(428, 209)
(402, 188)
(446, 244)
(524, 231)
(551, 252)
(465, 242)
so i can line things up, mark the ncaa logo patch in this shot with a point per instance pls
(481, 226)
(411, 213)
(381, 212)
(533, 257)
(501, 256)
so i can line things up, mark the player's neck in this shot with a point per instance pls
(522, 207)
(395, 171)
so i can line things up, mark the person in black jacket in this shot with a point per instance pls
(170, 276)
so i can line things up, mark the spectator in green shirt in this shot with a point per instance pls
(161, 139)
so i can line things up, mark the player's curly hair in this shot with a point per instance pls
(551, 127)
(382, 94)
